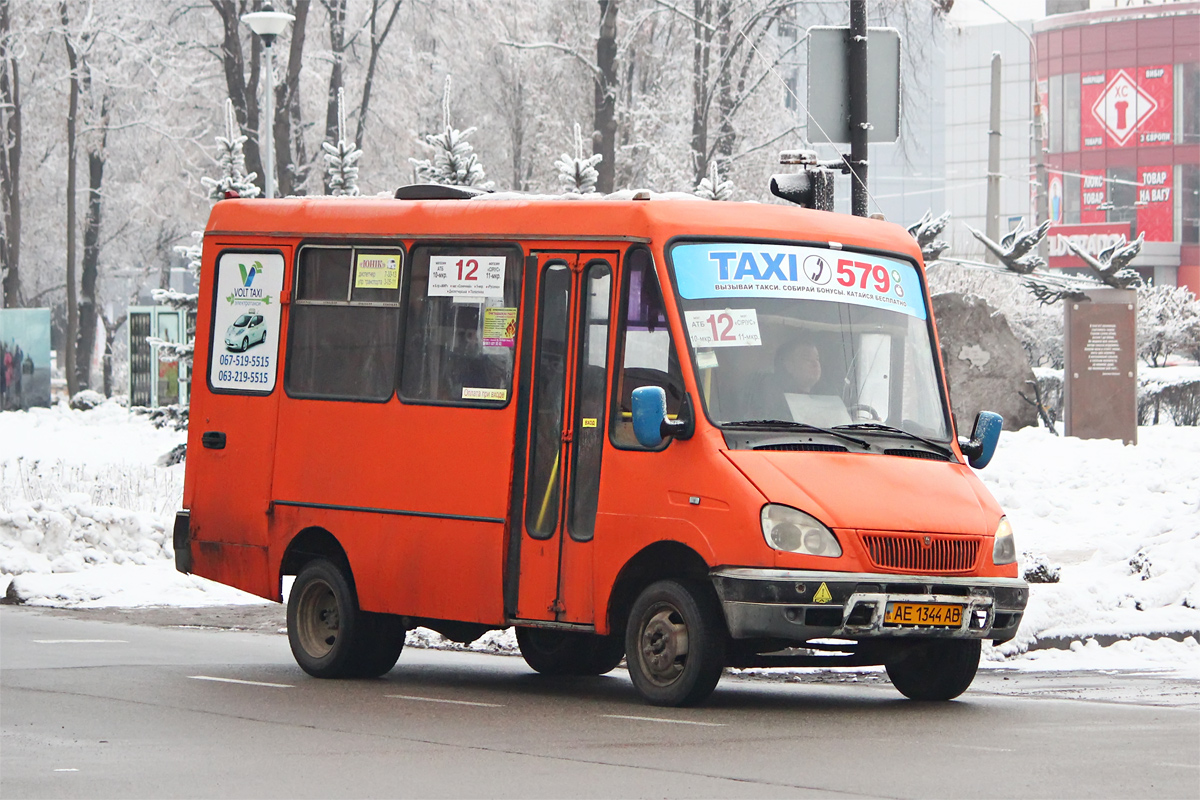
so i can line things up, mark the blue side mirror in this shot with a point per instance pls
(982, 446)
(649, 411)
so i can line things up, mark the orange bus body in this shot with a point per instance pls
(426, 503)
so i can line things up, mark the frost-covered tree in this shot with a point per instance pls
(341, 160)
(1168, 321)
(454, 162)
(232, 163)
(712, 187)
(577, 174)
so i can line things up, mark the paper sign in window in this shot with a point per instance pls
(466, 277)
(499, 327)
(731, 327)
(474, 393)
(376, 271)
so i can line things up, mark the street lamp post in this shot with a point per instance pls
(1042, 205)
(267, 24)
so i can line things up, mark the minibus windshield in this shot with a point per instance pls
(809, 335)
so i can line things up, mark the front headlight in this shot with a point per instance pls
(1004, 551)
(785, 528)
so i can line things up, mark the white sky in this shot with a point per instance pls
(973, 12)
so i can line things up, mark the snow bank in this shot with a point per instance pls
(86, 517)
(1123, 523)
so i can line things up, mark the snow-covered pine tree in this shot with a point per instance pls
(232, 162)
(712, 187)
(578, 175)
(454, 161)
(341, 160)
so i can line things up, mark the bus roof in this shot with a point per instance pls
(654, 220)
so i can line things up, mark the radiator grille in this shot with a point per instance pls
(910, 553)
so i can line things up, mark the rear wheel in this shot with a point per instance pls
(329, 635)
(675, 643)
(554, 652)
(938, 669)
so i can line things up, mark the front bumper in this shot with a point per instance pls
(786, 604)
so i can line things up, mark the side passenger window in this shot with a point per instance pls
(647, 352)
(461, 329)
(344, 323)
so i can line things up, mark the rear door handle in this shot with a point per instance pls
(213, 440)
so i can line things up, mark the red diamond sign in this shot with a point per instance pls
(1122, 107)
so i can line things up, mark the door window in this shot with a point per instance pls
(541, 503)
(590, 381)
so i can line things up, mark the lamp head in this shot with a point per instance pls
(267, 23)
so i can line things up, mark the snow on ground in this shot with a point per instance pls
(86, 517)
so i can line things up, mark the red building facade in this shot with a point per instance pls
(1122, 92)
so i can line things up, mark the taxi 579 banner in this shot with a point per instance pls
(244, 351)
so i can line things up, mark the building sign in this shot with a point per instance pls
(1094, 195)
(1091, 130)
(1132, 108)
(1155, 206)
(1092, 239)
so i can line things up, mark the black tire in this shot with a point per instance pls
(329, 636)
(675, 643)
(938, 669)
(554, 652)
(379, 646)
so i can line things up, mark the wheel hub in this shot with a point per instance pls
(664, 644)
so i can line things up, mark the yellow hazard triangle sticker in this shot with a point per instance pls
(822, 595)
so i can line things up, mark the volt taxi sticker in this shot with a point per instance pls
(707, 270)
(244, 348)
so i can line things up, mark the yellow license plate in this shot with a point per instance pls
(924, 614)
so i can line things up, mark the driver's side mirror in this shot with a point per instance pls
(982, 444)
(651, 425)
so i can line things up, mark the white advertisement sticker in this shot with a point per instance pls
(733, 327)
(244, 351)
(466, 277)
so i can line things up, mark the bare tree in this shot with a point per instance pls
(378, 34)
(10, 163)
(242, 91)
(72, 111)
(336, 10)
(292, 160)
(91, 234)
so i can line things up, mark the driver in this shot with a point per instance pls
(791, 393)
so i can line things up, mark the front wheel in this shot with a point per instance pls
(675, 643)
(555, 652)
(938, 669)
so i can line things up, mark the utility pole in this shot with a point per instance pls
(993, 181)
(856, 54)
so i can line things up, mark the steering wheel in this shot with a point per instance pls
(862, 411)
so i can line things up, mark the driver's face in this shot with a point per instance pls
(803, 367)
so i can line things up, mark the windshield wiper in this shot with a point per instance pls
(889, 429)
(796, 426)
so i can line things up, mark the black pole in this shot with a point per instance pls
(856, 54)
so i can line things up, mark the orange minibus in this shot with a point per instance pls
(693, 435)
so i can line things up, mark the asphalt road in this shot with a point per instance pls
(106, 709)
